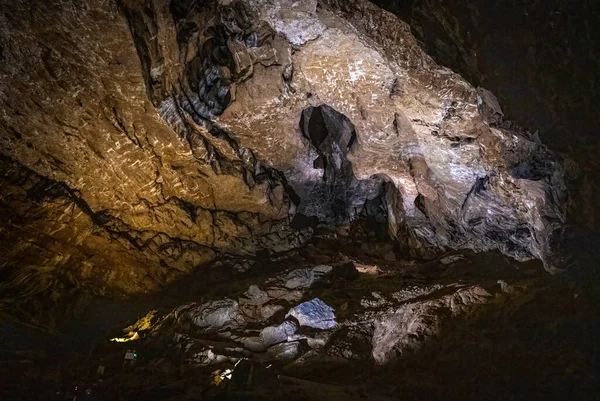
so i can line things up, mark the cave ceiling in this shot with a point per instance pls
(143, 138)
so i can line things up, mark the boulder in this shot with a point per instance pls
(277, 334)
(305, 278)
(314, 313)
(217, 315)
(284, 352)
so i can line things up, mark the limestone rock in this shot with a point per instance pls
(305, 278)
(216, 315)
(277, 334)
(314, 313)
(254, 296)
(489, 107)
(268, 311)
(138, 152)
(284, 352)
(404, 329)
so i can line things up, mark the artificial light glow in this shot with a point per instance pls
(219, 376)
(134, 337)
(132, 331)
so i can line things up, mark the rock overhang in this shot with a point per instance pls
(195, 148)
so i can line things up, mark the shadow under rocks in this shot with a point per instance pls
(541, 346)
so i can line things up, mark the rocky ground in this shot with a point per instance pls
(321, 324)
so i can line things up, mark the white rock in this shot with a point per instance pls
(276, 334)
(314, 313)
(219, 314)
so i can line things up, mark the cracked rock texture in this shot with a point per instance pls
(541, 60)
(142, 138)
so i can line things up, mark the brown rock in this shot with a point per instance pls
(138, 141)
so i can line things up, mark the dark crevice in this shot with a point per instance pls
(420, 205)
(144, 29)
(339, 197)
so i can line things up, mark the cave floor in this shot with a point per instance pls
(472, 326)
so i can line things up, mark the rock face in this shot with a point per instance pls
(403, 329)
(422, 330)
(540, 59)
(140, 140)
(314, 313)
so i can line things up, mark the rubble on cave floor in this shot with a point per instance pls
(345, 330)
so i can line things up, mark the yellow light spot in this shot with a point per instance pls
(219, 375)
(132, 332)
(134, 336)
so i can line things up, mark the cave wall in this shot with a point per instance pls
(540, 59)
(143, 138)
(119, 192)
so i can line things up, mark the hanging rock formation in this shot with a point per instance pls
(142, 138)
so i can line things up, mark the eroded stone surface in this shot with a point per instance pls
(395, 322)
(277, 334)
(468, 317)
(216, 315)
(137, 152)
(314, 313)
(404, 329)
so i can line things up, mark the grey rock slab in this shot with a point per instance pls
(268, 311)
(314, 313)
(405, 328)
(254, 296)
(284, 352)
(305, 278)
(276, 334)
(254, 344)
(220, 314)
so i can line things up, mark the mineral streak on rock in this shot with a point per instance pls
(141, 139)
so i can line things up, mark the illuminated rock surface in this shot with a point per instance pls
(320, 183)
(140, 141)
(404, 330)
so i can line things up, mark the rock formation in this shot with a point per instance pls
(297, 199)
(142, 138)
(539, 58)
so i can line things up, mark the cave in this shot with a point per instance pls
(299, 199)
(336, 196)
